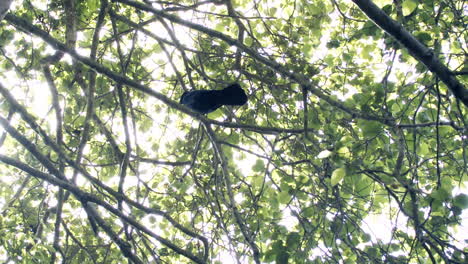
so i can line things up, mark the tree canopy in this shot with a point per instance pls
(352, 147)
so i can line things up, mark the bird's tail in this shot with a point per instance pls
(233, 95)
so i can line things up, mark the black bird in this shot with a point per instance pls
(206, 101)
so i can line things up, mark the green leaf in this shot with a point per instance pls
(6, 36)
(423, 149)
(424, 37)
(324, 154)
(248, 41)
(307, 49)
(309, 211)
(220, 27)
(259, 166)
(461, 201)
(314, 10)
(382, 3)
(409, 6)
(446, 183)
(344, 152)
(370, 128)
(347, 57)
(337, 176)
(282, 257)
(272, 11)
(284, 197)
(269, 256)
(293, 240)
(367, 52)
(440, 195)
(233, 138)
(215, 114)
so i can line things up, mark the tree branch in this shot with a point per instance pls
(248, 236)
(277, 67)
(415, 48)
(84, 196)
(4, 6)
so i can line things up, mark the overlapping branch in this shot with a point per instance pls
(60, 180)
(24, 25)
(418, 50)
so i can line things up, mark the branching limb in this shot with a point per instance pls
(248, 236)
(415, 47)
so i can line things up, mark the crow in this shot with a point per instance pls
(206, 101)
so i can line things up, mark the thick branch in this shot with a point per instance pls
(416, 48)
(20, 23)
(84, 196)
(277, 67)
(48, 164)
(26, 26)
(4, 6)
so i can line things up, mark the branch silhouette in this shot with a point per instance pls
(418, 50)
